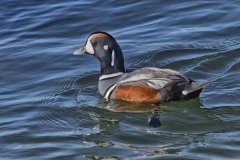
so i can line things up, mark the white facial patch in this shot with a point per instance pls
(89, 47)
(113, 58)
(105, 47)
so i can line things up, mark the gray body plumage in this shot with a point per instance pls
(168, 82)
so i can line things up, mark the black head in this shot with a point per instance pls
(106, 49)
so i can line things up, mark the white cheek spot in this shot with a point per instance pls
(89, 47)
(113, 58)
(105, 47)
(184, 92)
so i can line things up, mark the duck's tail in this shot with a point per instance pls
(196, 87)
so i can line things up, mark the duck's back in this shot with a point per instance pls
(153, 77)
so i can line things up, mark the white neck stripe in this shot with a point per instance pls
(110, 75)
(113, 58)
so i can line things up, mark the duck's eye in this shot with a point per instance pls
(94, 44)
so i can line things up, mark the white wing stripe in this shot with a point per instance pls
(157, 84)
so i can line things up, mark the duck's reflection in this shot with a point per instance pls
(154, 120)
(153, 109)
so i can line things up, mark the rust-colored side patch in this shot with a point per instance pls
(137, 94)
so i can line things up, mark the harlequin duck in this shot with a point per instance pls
(144, 85)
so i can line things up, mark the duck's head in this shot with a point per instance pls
(106, 49)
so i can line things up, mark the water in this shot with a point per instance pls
(50, 108)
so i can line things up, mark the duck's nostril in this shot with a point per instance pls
(80, 51)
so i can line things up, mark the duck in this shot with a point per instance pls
(144, 85)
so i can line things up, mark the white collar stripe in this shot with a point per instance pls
(110, 75)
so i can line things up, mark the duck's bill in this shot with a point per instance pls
(80, 51)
